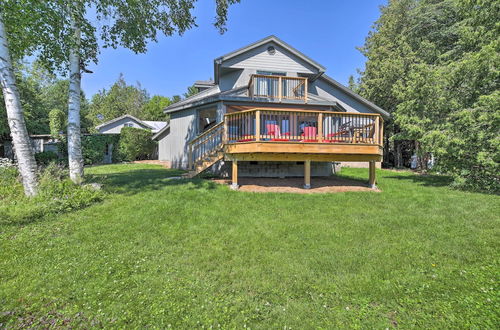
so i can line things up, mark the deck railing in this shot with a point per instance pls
(278, 87)
(205, 144)
(279, 125)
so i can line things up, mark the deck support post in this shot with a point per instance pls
(372, 180)
(234, 177)
(307, 174)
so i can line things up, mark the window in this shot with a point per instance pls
(128, 125)
(268, 86)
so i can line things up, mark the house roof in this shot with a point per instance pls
(160, 132)
(154, 126)
(235, 95)
(359, 98)
(204, 83)
(214, 94)
(218, 61)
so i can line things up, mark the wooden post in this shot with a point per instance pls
(190, 157)
(257, 125)
(279, 88)
(307, 174)
(377, 130)
(224, 133)
(234, 177)
(320, 127)
(382, 132)
(372, 180)
(305, 92)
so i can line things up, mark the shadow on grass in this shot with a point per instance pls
(427, 180)
(140, 180)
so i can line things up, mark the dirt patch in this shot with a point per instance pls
(163, 163)
(295, 185)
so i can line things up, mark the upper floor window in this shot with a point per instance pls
(268, 86)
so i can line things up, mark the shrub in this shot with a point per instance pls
(94, 147)
(136, 143)
(45, 157)
(56, 194)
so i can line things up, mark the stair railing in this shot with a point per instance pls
(205, 144)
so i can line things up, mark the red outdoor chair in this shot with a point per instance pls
(309, 132)
(274, 131)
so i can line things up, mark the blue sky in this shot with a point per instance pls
(328, 31)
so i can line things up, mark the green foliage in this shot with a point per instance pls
(163, 252)
(191, 91)
(94, 148)
(57, 119)
(40, 94)
(136, 143)
(119, 100)
(153, 109)
(43, 28)
(54, 95)
(57, 194)
(434, 65)
(45, 157)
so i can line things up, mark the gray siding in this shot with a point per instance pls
(116, 127)
(173, 146)
(259, 59)
(322, 88)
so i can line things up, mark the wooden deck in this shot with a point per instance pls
(290, 135)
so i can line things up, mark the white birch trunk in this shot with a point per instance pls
(74, 139)
(19, 133)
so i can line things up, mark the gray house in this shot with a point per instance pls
(114, 126)
(271, 111)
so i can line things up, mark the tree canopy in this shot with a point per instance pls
(434, 65)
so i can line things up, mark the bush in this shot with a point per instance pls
(45, 157)
(94, 147)
(56, 194)
(136, 143)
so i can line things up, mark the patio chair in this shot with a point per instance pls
(309, 132)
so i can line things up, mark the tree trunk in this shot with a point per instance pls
(399, 154)
(75, 158)
(19, 133)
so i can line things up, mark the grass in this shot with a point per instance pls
(190, 253)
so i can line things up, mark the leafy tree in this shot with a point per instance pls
(136, 143)
(441, 82)
(153, 109)
(119, 100)
(57, 119)
(191, 90)
(65, 37)
(176, 98)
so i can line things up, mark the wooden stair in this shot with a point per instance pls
(203, 164)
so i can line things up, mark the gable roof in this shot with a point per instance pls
(218, 61)
(154, 126)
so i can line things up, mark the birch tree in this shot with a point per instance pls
(75, 158)
(15, 118)
(130, 24)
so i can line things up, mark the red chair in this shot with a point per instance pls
(309, 132)
(274, 131)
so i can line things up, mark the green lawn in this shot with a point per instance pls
(191, 253)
